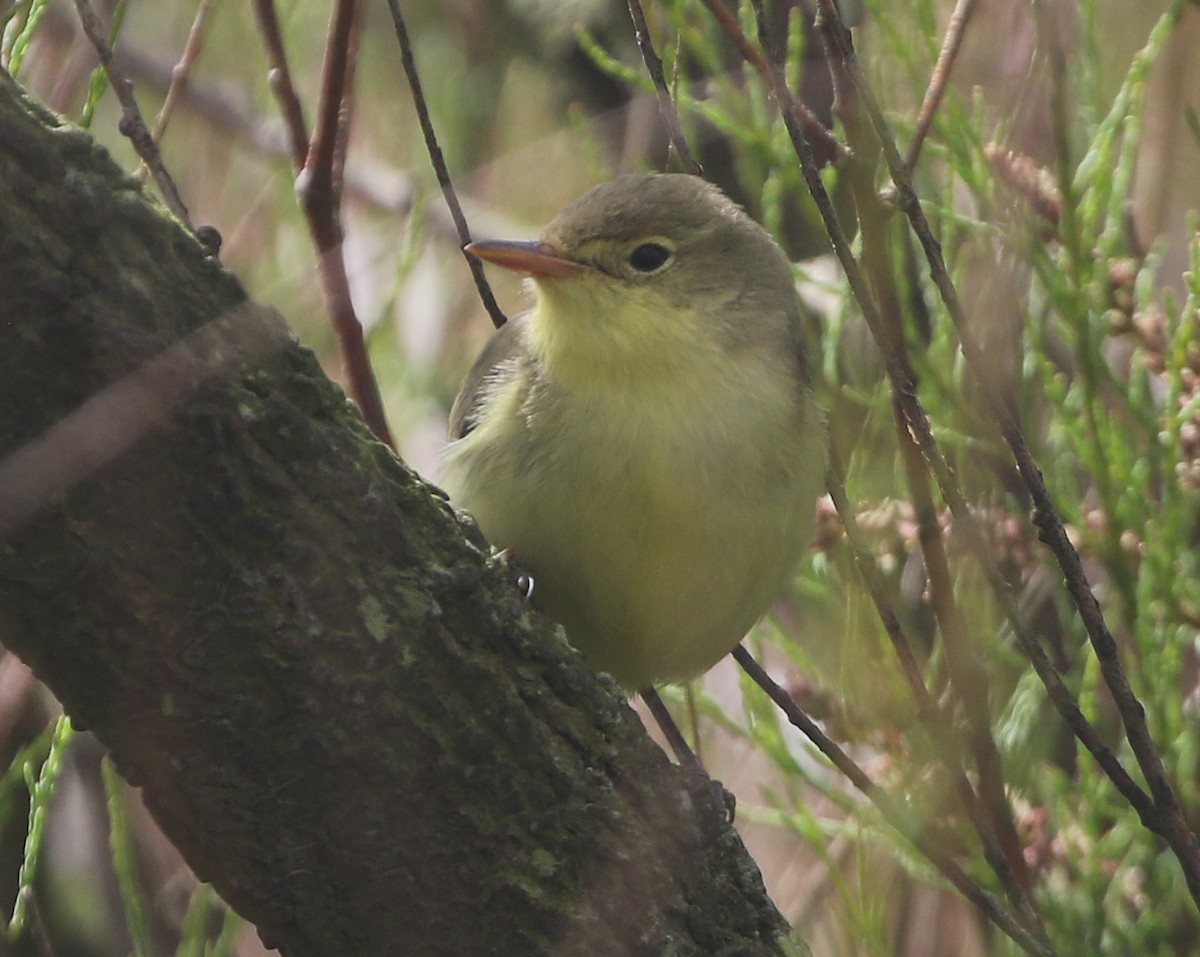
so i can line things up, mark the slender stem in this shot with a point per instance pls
(967, 675)
(904, 389)
(956, 29)
(1161, 815)
(1164, 815)
(439, 166)
(897, 816)
(935, 723)
(319, 162)
(794, 111)
(678, 743)
(281, 81)
(666, 106)
(181, 74)
(132, 124)
(1080, 321)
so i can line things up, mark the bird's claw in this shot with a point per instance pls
(525, 584)
(524, 580)
(718, 804)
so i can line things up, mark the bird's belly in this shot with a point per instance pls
(655, 564)
(664, 592)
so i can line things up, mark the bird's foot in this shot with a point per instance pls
(717, 804)
(524, 580)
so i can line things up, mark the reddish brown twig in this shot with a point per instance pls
(905, 390)
(280, 77)
(967, 676)
(319, 162)
(320, 181)
(955, 31)
(996, 830)
(933, 720)
(180, 75)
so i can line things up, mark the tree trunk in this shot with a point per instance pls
(337, 705)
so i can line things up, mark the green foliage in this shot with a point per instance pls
(20, 23)
(124, 857)
(98, 85)
(40, 787)
(1100, 358)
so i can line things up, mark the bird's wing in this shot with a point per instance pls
(507, 342)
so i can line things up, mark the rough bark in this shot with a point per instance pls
(336, 705)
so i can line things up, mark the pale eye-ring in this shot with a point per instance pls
(649, 257)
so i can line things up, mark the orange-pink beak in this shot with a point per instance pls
(535, 258)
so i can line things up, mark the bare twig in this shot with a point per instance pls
(1164, 815)
(180, 74)
(678, 743)
(320, 181)
(439, 166)
(934, 722)
(378, 186)
(793, 110)
(666, 106)
(895, 815)
(1181, 839)
(966, 674)
(997, 832)
(319, 163)
(905, 389)
(281, 81)
(955, 31)
(132, 125)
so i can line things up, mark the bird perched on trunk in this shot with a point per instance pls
(645, 440)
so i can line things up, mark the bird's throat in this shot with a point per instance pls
(602, 344)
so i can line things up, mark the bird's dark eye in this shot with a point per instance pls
(649, 257)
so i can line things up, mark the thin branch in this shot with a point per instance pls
(793, 110)
(905, 390)
(1164, 815)
(180, 75)
(970, 682)
(439, 166)
(319, 162)
(666, 106)
(280, 77)
(894, 814)
(678, 743)
(955, 31)
(1169, 823)
(327, 145)
(933, 720)
(132, 124)
(380, 187)
(967, 675)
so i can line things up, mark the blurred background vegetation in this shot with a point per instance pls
(1062, 178)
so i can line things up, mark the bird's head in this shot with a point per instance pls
(650, 275)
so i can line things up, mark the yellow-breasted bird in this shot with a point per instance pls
(645, 440)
